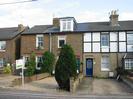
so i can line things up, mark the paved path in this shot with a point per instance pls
(47, 85)
(6, 80)
(103, 87)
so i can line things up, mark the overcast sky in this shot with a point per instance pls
(42, 11)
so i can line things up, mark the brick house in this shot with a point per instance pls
(10, 44)
(99, 46)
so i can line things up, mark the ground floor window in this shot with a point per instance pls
(128, 64)
(38, 62)
(1, 62)
(105, 64)
(26, 58)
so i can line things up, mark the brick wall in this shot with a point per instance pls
(28, 44)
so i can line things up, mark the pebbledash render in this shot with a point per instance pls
(100, 47)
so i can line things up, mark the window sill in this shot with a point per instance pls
(105, 69)
(39, 48)
(105, 47)
(38, 68)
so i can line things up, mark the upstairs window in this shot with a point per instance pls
(2, 45)
(66, 25)
(104, 40)
(130, 39)
(39, 41)
(61, 41)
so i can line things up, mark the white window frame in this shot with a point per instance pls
(66, 25)
(61, 38)
(107, 35)
(37, 41)
(103, 62)
(26, 57)
(1, 62)
(38, 68)
(128, 64)
(2, 45)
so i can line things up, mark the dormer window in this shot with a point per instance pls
(67, 24)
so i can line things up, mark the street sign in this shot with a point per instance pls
(19, 64)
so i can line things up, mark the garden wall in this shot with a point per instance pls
(74, 83)
(18, 81)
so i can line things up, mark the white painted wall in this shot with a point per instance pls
(96, 47)
(122, 46)
(122, 36)
(113, 46)
(87, 47)
(113, 36)
(96, 36)
(87, 37)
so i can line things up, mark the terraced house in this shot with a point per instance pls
(10, 44)
(100, 47)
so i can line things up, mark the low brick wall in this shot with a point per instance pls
(18, 81)
(74, 83)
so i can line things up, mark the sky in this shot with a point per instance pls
(41, 12)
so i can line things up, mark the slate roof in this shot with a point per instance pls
(83, 27)
(8, 33)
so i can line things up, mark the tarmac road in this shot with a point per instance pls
(9, 94)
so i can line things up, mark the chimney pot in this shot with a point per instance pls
(21, 27)
(114, 18)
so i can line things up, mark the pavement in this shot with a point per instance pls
(89, 86)
(6, 80)
(47, 85)
(96, 86)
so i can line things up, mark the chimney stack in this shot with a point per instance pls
(114, 18)
(56, 22)
(21, 27)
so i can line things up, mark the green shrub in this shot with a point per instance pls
(121, 71)
(7, 70)
(65, 67)
(30, 65)
(48, 62)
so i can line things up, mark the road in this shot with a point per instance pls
(36, 95)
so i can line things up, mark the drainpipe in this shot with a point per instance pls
(50, 43)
